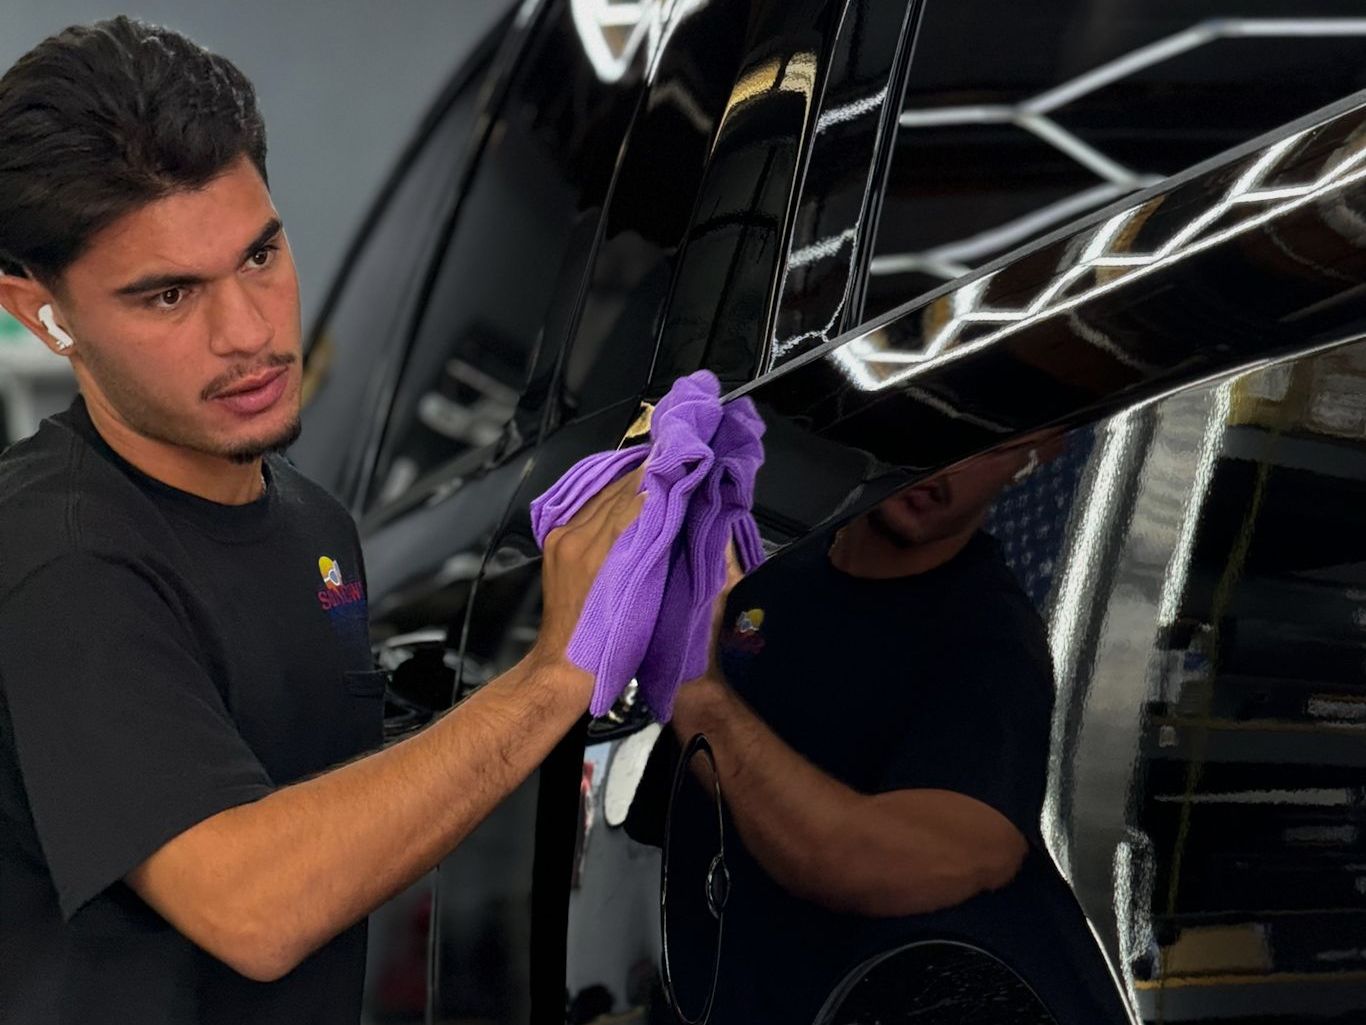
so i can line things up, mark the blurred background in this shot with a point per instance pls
(343, 85)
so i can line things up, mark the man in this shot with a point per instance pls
(186, 833)
(879, 713)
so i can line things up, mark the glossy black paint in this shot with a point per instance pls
(1151, 294)
(714, 192)
(847, 161)
(1018, 121)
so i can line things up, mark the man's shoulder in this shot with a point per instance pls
(304, 497)
(60, 498)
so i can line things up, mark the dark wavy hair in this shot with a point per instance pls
(102, 119)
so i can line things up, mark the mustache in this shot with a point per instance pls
(225, 381)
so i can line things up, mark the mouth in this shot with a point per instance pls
(256, 393)
(930, 494)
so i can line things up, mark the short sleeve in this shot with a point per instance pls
(123, 742)
(981, 729)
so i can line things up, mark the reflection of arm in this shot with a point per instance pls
(898, 853)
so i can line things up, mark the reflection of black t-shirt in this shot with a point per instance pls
(162, 659)
(941, 681)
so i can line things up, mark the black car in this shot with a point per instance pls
(1125, 234)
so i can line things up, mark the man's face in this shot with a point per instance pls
(186, 319)
(952, 502)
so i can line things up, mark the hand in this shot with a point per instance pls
(718, 610)
(574, 553)
(696, 693)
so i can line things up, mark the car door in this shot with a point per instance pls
(830, 456)
(1178, 351)
(469, 406)
(738, 230)
(674, 181)
(428, 381)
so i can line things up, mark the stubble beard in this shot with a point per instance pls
(249, 452)
(146, 418)
(884, 528)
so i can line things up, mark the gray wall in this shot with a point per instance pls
(342, 83)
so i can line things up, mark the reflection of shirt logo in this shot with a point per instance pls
(745, 638)
(336, 593)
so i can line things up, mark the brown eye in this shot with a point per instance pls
(262, 257)
(170, 297)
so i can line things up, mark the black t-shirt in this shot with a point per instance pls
(941, 680)
(162, 658)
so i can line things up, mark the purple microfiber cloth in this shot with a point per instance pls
(719, 513)
(648, 613)
(622, 606)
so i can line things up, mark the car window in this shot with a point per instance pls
(365, 323)
(517, 243)
(1022, 118)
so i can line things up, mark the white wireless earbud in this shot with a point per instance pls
(64, 341)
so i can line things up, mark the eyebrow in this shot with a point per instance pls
(163, 282)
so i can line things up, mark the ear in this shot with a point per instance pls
(22, 298)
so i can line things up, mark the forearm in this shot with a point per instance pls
(900, 853)
(292, 870)
(789, 813)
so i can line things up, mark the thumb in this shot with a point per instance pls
(734, 574)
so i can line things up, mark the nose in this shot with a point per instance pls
(238, 325)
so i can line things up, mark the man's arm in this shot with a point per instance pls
(263, 885)
(904, 852)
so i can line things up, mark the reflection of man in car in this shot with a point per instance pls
(183, 650)
(880, 719)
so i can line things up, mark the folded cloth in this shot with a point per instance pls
(720, 512)
(648, 614)
(622, 606)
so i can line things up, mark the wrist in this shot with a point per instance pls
(699, 703)
(552, 670)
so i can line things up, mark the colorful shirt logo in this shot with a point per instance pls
(331, 572)
(336, 592)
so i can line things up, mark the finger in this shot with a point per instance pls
(623, 490)
(623, 511)
(605, 497)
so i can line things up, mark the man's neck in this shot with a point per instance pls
(206, 476)
(861, 551)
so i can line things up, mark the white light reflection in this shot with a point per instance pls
(678, 12)
(1183, 244)
(1087, 156)
(821, 249)
(1309, 797)
(985, 243)
(1133, 874)
(1099, 508)
(1178, 570)
(1098, 499)
(613, 32)
(850, 111)
(1031, 115)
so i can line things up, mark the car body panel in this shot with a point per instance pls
(735, 213)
